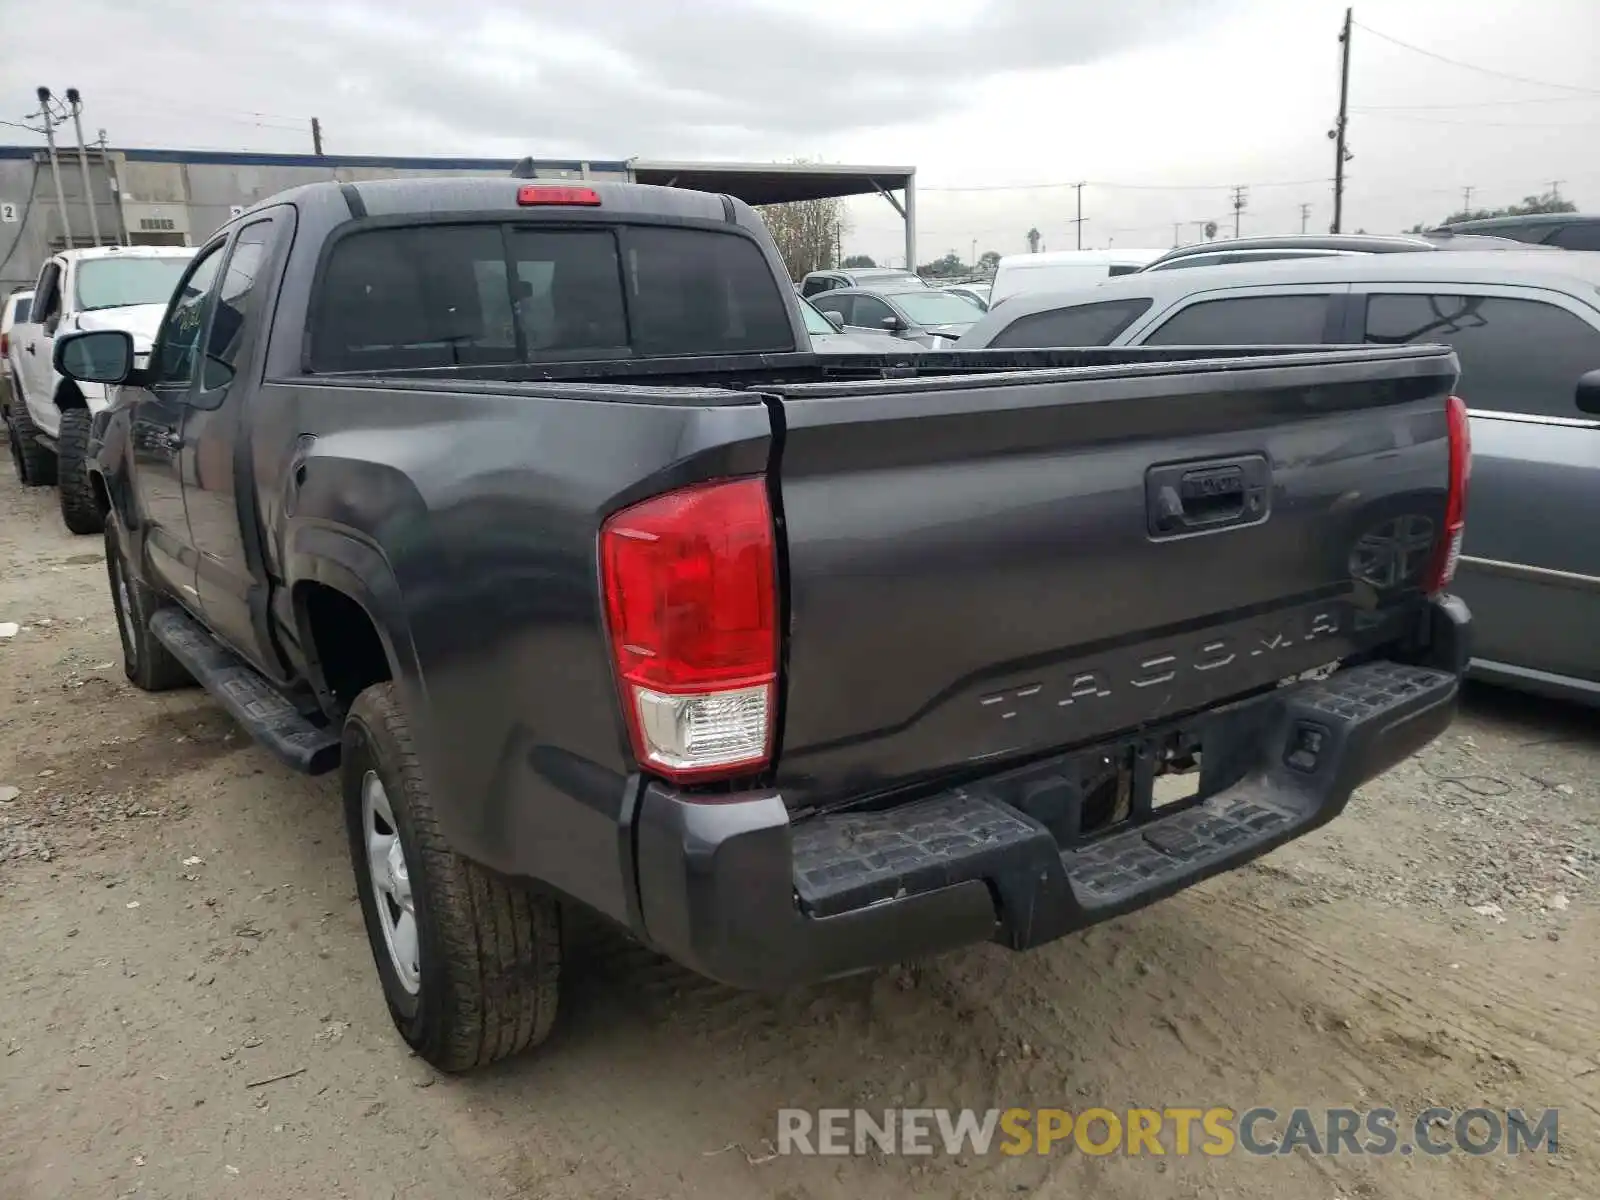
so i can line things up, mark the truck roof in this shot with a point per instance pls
(86, 253)
(397, 197)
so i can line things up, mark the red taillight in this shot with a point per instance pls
(5, 344)
(1448, 552)
(690, 581)
(540, 193)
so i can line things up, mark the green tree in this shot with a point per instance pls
(858, 260)
(989, 261)
(1033, 241)
(943, 268)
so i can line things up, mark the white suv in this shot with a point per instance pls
(107, 287)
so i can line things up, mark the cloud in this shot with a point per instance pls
(600, 77)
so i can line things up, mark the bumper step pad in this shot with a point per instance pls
(1302, 750)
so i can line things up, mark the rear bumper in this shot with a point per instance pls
(736, 892)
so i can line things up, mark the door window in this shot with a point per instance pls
(870, 313)
(835, 304)
(1519, 356)
(818, 284)
(185, 320)
(1296, 320)
(1081, 325)
(1582, 236)
(47, 295)
(237, 300)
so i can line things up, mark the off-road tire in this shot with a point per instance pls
(80, 509)
(148, 664)
(36, 466)
(489, 948)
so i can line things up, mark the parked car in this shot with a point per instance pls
(1526, 326)
(105, 287)
(1568, 231)
(826, 338)
(816, 282)
(16, 308)
(1233, 251)
(608, 590)
(1063, 270)
(927, 316)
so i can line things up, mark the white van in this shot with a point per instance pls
(1064, 270)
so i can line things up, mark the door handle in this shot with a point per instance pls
(29, 347)
(1196, 497)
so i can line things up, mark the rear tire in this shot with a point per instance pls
(475, 978)
(36, 466)
(80, 508)
(148, 664)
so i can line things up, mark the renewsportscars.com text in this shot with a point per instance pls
(1216, 1131)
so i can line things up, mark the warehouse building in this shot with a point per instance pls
(178, 197)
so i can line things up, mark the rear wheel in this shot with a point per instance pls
(36, 466)
(470, 961)
(147, 663)
(80, 509)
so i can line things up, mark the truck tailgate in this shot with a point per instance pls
(983, 568)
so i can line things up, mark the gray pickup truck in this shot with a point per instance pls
(527, 509)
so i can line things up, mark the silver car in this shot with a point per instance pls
(926, 316)
(1526, 327)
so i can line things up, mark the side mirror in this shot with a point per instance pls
(96, 356)
(1589, 392)
(893, 324)
(836, 319)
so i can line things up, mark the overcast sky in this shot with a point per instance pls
(1160, 104)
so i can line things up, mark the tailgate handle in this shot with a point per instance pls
(1197, 497)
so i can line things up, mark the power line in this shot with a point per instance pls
(1395, 116)
(1454, 62)
(1475, 104)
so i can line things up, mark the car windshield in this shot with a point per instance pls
(815, 321)
(114, 282)
(937, 308)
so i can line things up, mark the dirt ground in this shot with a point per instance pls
(178, 923)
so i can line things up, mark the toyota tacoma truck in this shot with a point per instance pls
(49, 418)
(528, 510)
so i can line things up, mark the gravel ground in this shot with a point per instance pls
(188, 1006)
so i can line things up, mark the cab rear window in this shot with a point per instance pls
(481, 294)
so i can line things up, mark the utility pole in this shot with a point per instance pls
(1305, 215)
(1079, 221)
(76, 101)
(1175, 225)
(55, 166)
(316, 137)
(1466, 199)
(1239, 203)
(115, 185)
(1340, 153)
(1200, 228)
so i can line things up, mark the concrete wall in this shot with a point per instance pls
(161, 195)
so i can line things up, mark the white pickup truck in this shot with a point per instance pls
(107, 287)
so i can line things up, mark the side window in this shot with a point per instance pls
(1584, 236)
(47, 294)
(181, 329)
(835, 304)
(818, 284)
(692, 291)
(236, 302)
(870, 313)
(1247, 321)
(1521, 356)
(1080, 325)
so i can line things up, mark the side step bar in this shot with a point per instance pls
(263, 711)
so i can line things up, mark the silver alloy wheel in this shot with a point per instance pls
(391, 883)
(124, 607)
